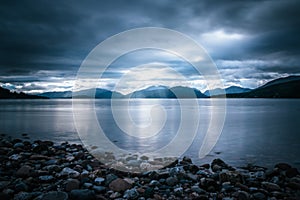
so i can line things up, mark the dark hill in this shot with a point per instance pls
(279, 88)
(7, 94)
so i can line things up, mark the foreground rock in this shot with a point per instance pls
(42, 170)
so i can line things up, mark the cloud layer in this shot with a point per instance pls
(43, 43)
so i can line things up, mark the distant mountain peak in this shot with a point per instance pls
(228, 90)
(157, 87)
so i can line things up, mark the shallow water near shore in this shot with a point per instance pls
(257, 131)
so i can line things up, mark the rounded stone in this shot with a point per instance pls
(24, 171)
(259, 196)
(46, 178)
(19, 145)
(82, 194)
(178, 191)
(99, 189)
(270, 186)
(291, 172)
(171, 181)
(99, 180)
(21, 186)
(131, 194)
(54, 195)
(242, 195)
(119, 185)
(72, 184)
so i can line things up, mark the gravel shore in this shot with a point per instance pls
(42, 170)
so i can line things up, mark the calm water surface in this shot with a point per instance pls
(258, 131)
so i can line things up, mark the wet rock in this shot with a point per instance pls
(99, 180)
(51, 162)
(57, 195)
(15, 157)
(270, 186)
(204, 197)
(20, 196)
(186, 160)
(70, 158)
(119, 185)
(171, 181)
(178, 191)
(24, 171)
(46, 178)
(87, 185)
(242, 187)
(38, 157)
(4, 184)
(149, 192)
(275, 179)
(82, 194)
(205, 166)
(109, 178)
(231, 176)
(203, 173)
(154, 183)
(18, 145)
(258, 175)
(115, 195)
(131, 194)
(259, 196)
(157, 197)
(216, 168)
(69, 172)
(38, 148)
(283, 166)
(242, 195)
(152, 175)
(21, 186)
(72, 184)
(8, 191)
(293, 185)
(219, 163)
(192, 177)
(291, 172)
(52, 168)
(99, 189)
(277, 195)
(197, 189)
(227, 187)
(192, 168)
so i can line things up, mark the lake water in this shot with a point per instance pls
(257, 131)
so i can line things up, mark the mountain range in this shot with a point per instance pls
(99, 94)
(229, 90)
(288, 87)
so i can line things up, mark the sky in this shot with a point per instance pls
(43, 43)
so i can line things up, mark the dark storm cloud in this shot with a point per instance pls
(44, 39)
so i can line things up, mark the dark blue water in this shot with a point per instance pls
(258, 131)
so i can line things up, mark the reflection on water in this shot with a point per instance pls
(262, 131)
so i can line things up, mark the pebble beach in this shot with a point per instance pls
(42, 170)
